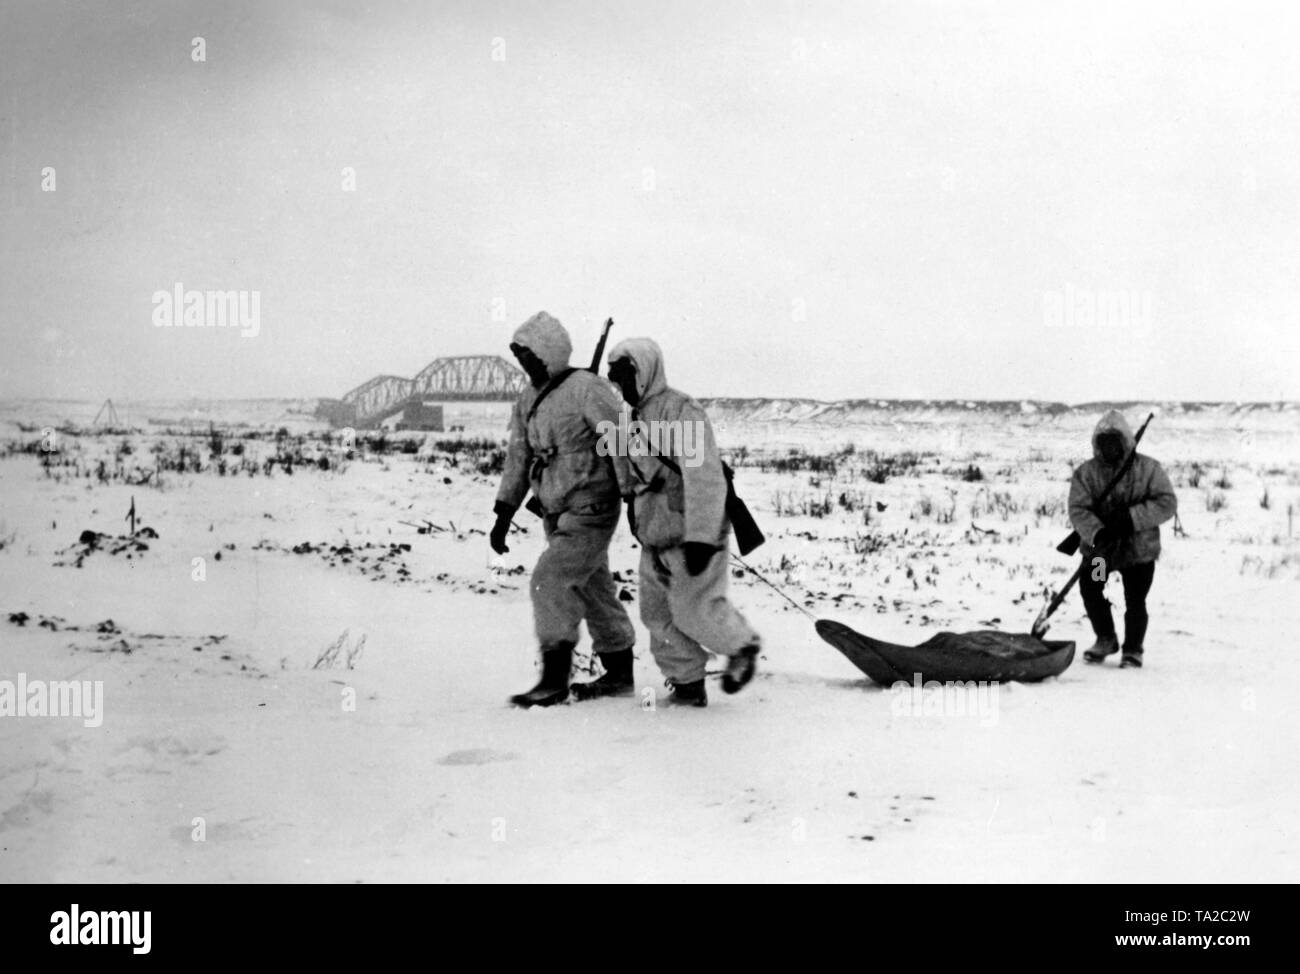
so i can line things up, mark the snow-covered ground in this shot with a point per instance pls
(226, 753)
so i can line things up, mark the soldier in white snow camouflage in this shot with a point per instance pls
(678, 513)
(554, 437)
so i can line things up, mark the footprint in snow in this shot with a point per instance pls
(477, 755)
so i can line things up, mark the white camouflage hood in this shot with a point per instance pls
(1113, 422)
(546, 338)
(649, 362)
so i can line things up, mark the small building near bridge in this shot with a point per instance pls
(414, 414)
(417, 415)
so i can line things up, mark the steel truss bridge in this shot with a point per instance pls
(473, 378)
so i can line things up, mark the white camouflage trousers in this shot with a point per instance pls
(572, 582)
(687, 614)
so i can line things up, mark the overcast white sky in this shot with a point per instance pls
(913, 180)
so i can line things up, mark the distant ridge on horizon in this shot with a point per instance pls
(848, 412)
(1004, 405)
(301, 415)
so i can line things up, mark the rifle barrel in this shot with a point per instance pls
(600, 347)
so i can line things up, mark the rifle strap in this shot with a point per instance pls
(552, 384)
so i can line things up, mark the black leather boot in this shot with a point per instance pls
(688, 694)
(553, 688)
(1103, 647)
(740, 669)
(616, 681)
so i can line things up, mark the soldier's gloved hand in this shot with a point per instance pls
(497, 538)
(1103, 539)
(698, 556)
(1120, 523)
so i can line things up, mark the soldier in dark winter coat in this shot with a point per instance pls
(1119, 534)
(555, 431)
